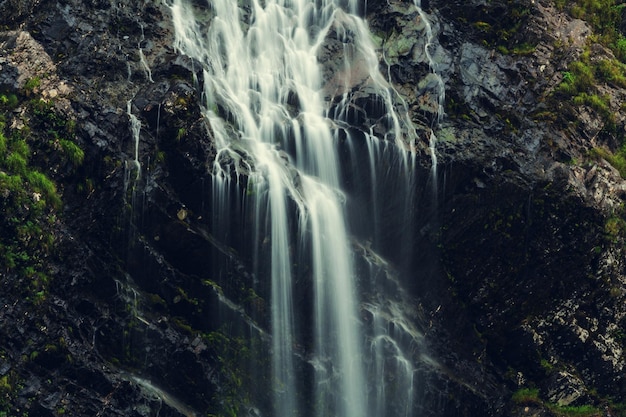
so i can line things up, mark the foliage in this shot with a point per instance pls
(582, 77)
(72, 151)
(617, 159)
(501, 31)
(9, 101)
(29, 198)
(611, 71)
(580, 84)
(530, 396)
(602, 15)
(523, 49)
(615, 227)
(619, 48)
(526, 396)
(575, 411)
(31, 84)
(231, 353)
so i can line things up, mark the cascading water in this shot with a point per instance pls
(440, 91)
(142, 57)
(277, 124)
(135, 130)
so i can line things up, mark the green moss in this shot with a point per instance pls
(583, 75)
(72, 151)
(614, 228)
(524, 49)
(546, 366)
(31, 84)
(231, 352)
(160, 157)
(183, 326)
(9, 101)
(156, 300)
(482, 26)
(611, 71)
(5, 385)
(580, 84)
(530, 396)
(526, 396)
(45, 186)
(617, 160)
(575, 411)
(501, 31)
(29, 200)
(16, 163)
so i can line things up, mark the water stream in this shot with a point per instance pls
(278, 125)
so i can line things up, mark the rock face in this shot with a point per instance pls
(522, 250)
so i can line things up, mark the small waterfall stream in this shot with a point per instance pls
(278, 126)
(135, 130)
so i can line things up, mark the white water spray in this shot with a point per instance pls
(265, 93)
(135, 130)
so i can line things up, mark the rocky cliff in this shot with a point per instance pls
(517, 282)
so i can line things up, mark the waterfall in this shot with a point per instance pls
(278, 124)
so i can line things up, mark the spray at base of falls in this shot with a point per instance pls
(277, 142)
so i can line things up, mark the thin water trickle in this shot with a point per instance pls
(440, 94)
(142, 57)
(135, 130)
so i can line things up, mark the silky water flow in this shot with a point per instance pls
(277, 137)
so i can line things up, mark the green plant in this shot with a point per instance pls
(524, 49)
(31, 84)
(72, 151)
(615, 227)
(578, 79)
(482, 26)
(5, 385)
(16, 163)
(575, 411)
(617, 160)
(611, 71)
(620, 48)
(28, 203)
(526, 396)
(44, 185)
(8, 101)
(546, 365)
